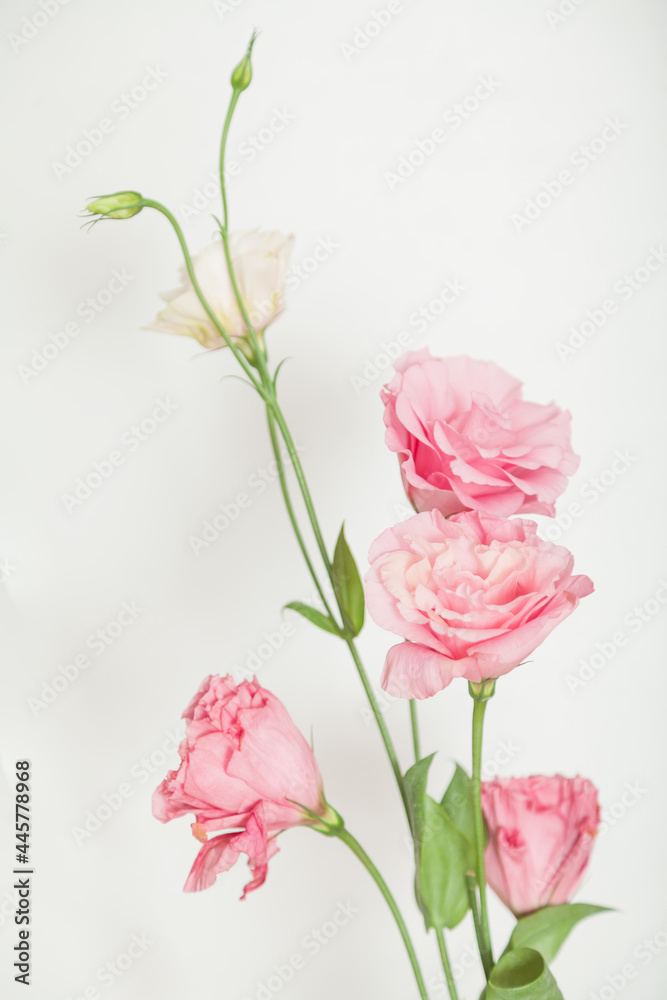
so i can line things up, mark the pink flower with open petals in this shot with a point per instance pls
(474, 595)
(541, 834)
(245, 769)
(466, 440)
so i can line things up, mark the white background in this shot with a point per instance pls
(352, 115)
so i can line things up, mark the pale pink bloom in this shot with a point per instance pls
(245, 769)
(466, 440)
(260, 264)
(473, 594)
(541, 833)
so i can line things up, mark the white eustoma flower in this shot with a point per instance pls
(260, 265)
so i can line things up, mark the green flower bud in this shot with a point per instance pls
(242, 75)
(122, 205)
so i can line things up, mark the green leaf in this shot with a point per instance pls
(347, 586)
(458, 804)
(316, 617)
(521, 975)
(546, 929)
(443, 854)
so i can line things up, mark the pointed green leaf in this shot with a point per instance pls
(459, 805)
(313, 615)
(445, 857)
(521, 975)
(546, 929)
(443, 854)
(348, 586)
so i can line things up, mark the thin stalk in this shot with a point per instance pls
(292, 516)
(148, 203)
(414, 721)
(477, 732)
(357, 849)
(471, 883)
(382, 725)
(276, 415)
(451, 985)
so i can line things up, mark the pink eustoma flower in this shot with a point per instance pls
(466, 440)
(541, 833)
(474, 595)
(245, 769)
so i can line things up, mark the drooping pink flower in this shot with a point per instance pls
(245, 769)
(466, 440)
(473, 594)
(541, 833)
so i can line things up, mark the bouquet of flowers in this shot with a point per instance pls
(466, 584)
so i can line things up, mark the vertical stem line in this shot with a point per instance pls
(477, 732)
(415, 729)
(451, 985)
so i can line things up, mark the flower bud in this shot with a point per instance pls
(242, 75)
(122, 205)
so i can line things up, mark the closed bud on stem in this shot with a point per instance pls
(242, 75)
(122, 205)
(483, 690)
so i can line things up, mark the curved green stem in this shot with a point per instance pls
(477, 731)
(451, 985)
(357, 849)
(276, 416)
(149, 203)
(414, 721)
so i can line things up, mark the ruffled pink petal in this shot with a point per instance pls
(221, 853)
(414, 671)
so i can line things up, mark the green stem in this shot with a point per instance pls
(148, 203)
(290, 511)
(477, 731)
(357, 849)
(382, 725)
(471, 883)
(415, 729)
(275, 414)
(451, 985)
